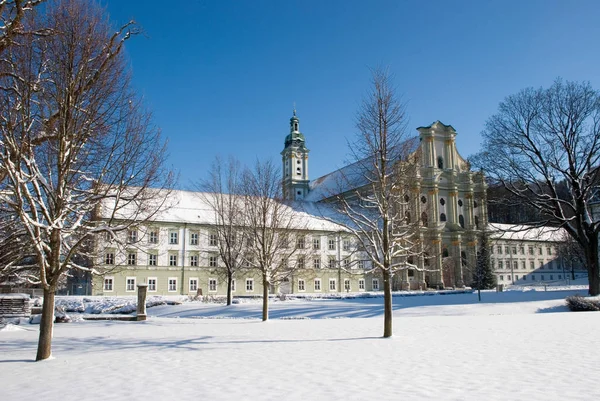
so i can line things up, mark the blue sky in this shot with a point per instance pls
(221, 77)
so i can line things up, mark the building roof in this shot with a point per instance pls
(195, 208)
(521, 232)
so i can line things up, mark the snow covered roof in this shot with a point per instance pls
(195, 208)
(523, 232)
(347, 178)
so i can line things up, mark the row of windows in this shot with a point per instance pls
(532, 277)
(153, 237)
(521, 249)
(515, 264)
(130, 284)
(213, 261)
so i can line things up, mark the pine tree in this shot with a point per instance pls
(484, 277)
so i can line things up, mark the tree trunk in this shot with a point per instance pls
(591, 254)
(229, 282)
(387, 304)
(44, 350)
(265, 311)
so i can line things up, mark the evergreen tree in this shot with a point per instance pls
(484, 278)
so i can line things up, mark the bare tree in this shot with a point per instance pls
(378, 209)
(223, 189)
(543, 146)
(571, 254)
(12, 14)
(270, 225)
(76, 143)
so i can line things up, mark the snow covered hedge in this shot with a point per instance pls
(577, 303)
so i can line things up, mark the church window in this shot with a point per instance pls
(424, 218)
(440, 162)
(442, 201)
(477, 222)
(460, 203)
(298, 171)
(475, 204)
(298, 162)
(423, 199)
(443, 217)
(463, 258)
(406, 198)
(407, 216)
(461, 221)
(445, 253)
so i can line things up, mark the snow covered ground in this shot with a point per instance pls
(515, 345)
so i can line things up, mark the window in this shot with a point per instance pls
(346, 245)
(516, 265)
(131, 258)
(531, 265)
(460, 203)
(172, 259)
(300, 262)
(423, 199)
(461, 220)
(361, 264)
(249, 285)
(109, 258)
(516, 276)
(212, 239)
(212, 261)
(507, 250)
(284, 263)
(524, 277)
(501, 278)
(152, 259)
(193, 284)
(194, 260)
(316, 243)
(172, 284)
(560, 276)
(440, 162)
(317, 284)
(375, 284)
(346, 284)
(233, 285)
(173, 237)
(248, 261)
(301, 285)
(284, 241)
(361, 284)
(541, 264)
(542, 277)
(212, 284)
(194, 238)
(108, 283)
(153, 237)
(531, 250)
(152, 284)
(132, 236)
(317, 263)
(549, 251)
(500, 249)
(346, 263)
(514, 250)
(331, 244)
(331, 262)
(493, 262)
(500, 265)
(300, 242)
(541, 252)
(332, 285)
(424, 218)
(523, 265)
(522, 250)
(551, 277)
(443, 217)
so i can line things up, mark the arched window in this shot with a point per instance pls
(406, 198)
(463, 258)
(424, 218)
(477, 222)
(461, 221)
(443, 217)
(407, 216)
(475, 205)
(423, 199)
(440, 161)
(445, 253)
(460, 203)
(442, 201)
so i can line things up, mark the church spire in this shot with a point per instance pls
(295, 162)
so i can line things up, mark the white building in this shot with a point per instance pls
(523, 254)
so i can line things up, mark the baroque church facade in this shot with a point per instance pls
(176, 253)
(445, 195)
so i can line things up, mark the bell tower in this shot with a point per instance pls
(295, 163)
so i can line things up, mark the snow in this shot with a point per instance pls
(523, 232)
(513, 345)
